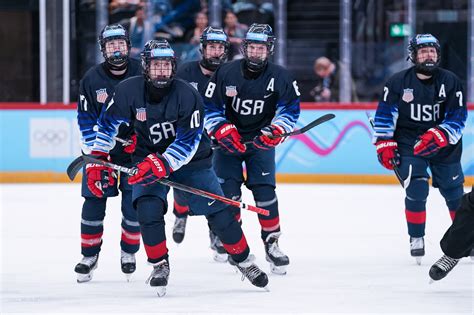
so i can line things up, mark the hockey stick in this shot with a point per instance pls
(82, 160)
(404, 182)
(309, 126)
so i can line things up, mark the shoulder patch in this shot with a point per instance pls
(141, 114)
(407, 95)
(101, 95)
(231, 91)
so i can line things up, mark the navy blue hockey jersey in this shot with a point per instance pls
(191, 72)
(172, 127)
(251, 104)
(96, 89)
(410, 106)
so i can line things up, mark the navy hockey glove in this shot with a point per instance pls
(387, 152)
(153, 167)
(99, 177)
(229, 138)
(265, 142)
(429, 143)
(130, 148)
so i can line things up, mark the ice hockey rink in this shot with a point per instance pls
(347, 244)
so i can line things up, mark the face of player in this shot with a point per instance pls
(160, 69)
(257, 51)
(116, 47)
(427, 54)
(214, 50)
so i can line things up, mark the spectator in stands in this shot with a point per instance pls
(139, 29)
(236, 32)
(327, 81)
(194, 35)
(122, 9)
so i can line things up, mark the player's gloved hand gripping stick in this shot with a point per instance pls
(404, 182)
(79, 162)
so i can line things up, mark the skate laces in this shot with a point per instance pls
(273, 248)
(417, 243)
(160, 270)
(179, 225)
(446, 263)
(248, 268)
(127, 258)
(89, 260)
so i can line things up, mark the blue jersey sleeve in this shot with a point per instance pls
(188, 133)
(214, 103)
(87, 117)
(288, 106)
(386, 116)
(456, 113)
(115, 113)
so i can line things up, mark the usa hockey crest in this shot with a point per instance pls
(231, 91)
(141, 114)
(407, 95)
(101, 95)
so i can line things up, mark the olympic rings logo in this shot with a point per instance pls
(50, 136)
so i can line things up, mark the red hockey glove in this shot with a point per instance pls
(99, 177)
(387, 152)
(153, 167)
(229, 138)
(429, 143)
(265, 142)
(130, 148)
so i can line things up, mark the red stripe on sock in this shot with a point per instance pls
(237, 248)
(180, 209)
(156, 251)
(130, 237)
(91, 240)
(269, 225)
(418, 217)
(452, 213)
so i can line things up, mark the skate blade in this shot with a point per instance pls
(160, 291)
(220, 258)
(418, 260)
(431, 281)
(81, 278)
(128, 276)
(278, 270)
(266, 288)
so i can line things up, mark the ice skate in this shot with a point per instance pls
(442, 267)
(277, 259)
(218, 250)
(417, 248)
(128, 264)
(159, 277)
(251, 271)
(179, 229)
(85, 268)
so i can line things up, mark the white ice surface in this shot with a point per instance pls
(347, 244)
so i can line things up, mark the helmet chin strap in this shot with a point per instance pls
(120, 67)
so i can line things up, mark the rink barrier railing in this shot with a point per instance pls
(59, 177)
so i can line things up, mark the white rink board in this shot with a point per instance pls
(348, 248)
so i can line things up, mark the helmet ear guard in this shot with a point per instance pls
(213, 35)
(258, 34)
(420, 41)
(117, 60)
(158, 50)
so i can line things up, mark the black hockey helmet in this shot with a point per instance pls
(158, 49)
(111, 32)
(213, 35)
(260, 34)
(420, 41)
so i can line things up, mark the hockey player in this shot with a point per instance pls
(419, 122)
(96, 89)
(214, 46)
(250, 100)
(167, 116)
(458, 241)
